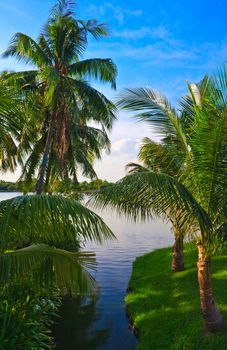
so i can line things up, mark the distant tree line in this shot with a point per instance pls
(58, 187)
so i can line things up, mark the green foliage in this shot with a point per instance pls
(49, 267)
(11, 122)
(142, 194)
(192, 151)
(7, 186)
(31, 228)
(165, 306)
(25, 318)
(93, 185)
(73, 189)
(48, 219)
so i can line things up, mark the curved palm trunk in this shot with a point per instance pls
(211, 315)
(178, 254)
(45, 158)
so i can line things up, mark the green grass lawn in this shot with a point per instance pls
(165, 306)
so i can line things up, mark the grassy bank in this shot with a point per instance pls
(165, 306)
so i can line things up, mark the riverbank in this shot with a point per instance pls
(165, 306)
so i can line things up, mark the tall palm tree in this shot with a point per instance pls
(199, 196)
(60, 76)
(54, 92)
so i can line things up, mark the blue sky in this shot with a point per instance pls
(162, 44)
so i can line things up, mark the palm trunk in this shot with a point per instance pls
(211, 315)
(178, 254)
(45, 159)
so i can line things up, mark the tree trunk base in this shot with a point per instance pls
(212, 317)
(178, 256)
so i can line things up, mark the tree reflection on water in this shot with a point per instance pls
(75, 329)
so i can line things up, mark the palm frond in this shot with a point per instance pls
(162, 157)
(24, 48)
(63, 8)
(135, 168)
(104, 110)
(102, 69)
(93, 27)
(156, 110)
(45, 219)
(142, 194)
(49, 267)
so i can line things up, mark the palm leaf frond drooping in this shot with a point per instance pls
(140, 195)
(49, 267)
(48, 219)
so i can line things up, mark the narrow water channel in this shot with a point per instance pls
(102, 324)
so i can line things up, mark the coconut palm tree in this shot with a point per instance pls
(59, 78)
(199, 195)
(55, 93)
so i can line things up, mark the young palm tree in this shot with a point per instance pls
(199, 195)
(60, 76)
(156, 157)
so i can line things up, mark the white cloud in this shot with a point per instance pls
(9, 176)
(133, 33)
(120, 145)
(115, 12)
(126, 138)
(158, 33)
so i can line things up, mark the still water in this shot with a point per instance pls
(101, 324)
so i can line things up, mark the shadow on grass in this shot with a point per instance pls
(165, 306)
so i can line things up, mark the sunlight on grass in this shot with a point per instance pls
(165, 306)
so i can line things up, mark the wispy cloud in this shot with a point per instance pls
(113, 12)
(157, 33)
(176, 54)
(153, 53)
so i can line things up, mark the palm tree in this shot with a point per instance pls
(59, 78)
(57, 98)
(156, 157)
(199, 195)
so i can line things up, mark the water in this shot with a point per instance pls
(101, 324)
(8, 195)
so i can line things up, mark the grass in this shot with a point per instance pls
(164, 306)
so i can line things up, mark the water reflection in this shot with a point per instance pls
(103, 325)
(75, 329)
